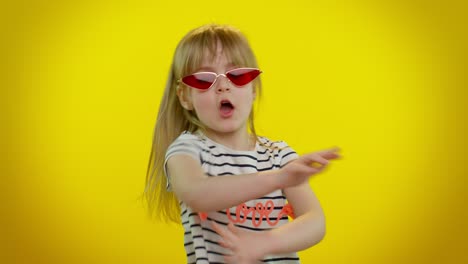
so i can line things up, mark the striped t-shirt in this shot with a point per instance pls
(263, 213)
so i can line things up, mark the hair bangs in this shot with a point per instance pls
(203, 43)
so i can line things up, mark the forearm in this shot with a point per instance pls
(217, 193)
(302, 233)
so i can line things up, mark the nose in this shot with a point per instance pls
(222, 84)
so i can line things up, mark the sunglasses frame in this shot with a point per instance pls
(221, 74)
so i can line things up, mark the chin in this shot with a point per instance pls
(228, 128)
(226, 125)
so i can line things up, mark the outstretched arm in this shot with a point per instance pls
(203, 193)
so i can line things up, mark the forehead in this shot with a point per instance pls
(216, 58)
(214, 55)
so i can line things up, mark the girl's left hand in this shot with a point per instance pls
(247, 247)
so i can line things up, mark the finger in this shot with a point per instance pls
(218, 229)
(233, 229)
(315, 160)
(313, 170)
(225, 244)
(223, 232)
(229, 259)
(329, 153)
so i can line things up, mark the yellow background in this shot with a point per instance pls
(385, 81)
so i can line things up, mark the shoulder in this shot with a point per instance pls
(273, 145)
(278, 148)
(186, 142)
(186, 137)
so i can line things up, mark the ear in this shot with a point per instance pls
(184, 98)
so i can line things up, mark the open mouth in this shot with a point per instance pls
(226, 108)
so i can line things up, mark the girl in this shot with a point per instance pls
(210, 171)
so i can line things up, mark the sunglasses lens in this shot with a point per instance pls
(199, 80)
(242, 76)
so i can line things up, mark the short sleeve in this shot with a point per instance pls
(286, 154)
(182, 145)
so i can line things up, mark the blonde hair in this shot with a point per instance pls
(173, 119)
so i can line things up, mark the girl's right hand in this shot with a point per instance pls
(302, 168)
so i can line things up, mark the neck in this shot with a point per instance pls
(237, 140)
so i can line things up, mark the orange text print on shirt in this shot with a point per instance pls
(259, 211)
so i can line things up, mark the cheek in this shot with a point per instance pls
(249, 98)
(202, 102)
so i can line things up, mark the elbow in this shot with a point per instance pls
(321, 235)
(316, 237)
(191, 195)
(191, 199)
(195, 204)
(321, 230)
(318, 231)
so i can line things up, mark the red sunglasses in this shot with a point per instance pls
(204, 80)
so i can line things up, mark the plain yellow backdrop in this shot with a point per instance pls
(386, 82)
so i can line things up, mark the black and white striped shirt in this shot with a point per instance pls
(264, 213)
